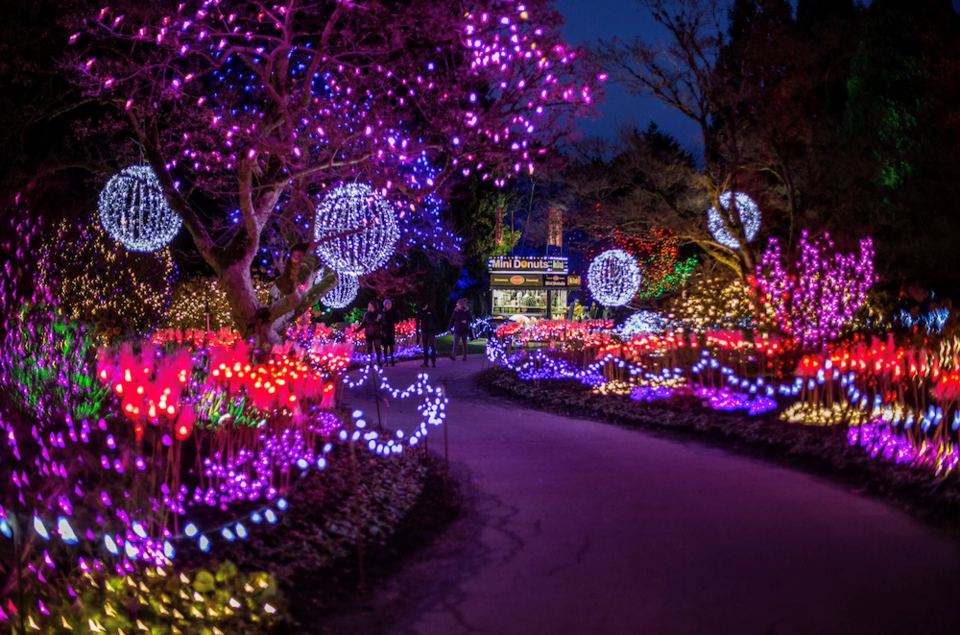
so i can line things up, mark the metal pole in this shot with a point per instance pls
(357, 512)
(446, 451)
(376, 396)
(446, 444)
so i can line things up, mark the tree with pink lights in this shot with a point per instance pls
(814, 302)
(262, 107)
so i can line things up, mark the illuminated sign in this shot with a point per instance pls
(515, 281)
(561, 281)
(536, 264)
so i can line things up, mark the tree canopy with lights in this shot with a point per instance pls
(262, 108)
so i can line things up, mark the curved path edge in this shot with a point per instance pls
(583, 527)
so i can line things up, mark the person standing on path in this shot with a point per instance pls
(372, 325)
(460, 323)
(391, 317)
(428, 324)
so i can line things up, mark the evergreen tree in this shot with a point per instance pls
(903, 89)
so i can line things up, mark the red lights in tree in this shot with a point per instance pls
(657, 253)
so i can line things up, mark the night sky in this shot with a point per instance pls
(587, 21)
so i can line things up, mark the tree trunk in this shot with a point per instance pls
(265, 324)
(250, 317)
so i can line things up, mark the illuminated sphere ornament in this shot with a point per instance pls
(134, 212)
(343, 293)
(360, 227)
(613, 277)
(749, 218)
(642, 323)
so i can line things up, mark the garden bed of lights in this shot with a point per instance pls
(311, 551)
(896, 401)
(882, 408)
(135, 469)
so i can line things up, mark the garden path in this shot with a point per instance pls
(586, 528)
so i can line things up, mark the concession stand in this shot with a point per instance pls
(535, 286)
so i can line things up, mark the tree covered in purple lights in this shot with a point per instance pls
(262, 107)
(822, 293)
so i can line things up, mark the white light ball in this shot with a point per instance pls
(343, 293)
(134, 212)
(355, 208)
(643, 322)
(749, 218)
(613, 277)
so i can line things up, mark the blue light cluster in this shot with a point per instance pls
(932, 321)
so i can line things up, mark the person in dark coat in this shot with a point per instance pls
(428, 325)
(391, 317)
(594, 311)
(460, 323)
(372, 325)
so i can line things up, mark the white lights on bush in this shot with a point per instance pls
(643, 322)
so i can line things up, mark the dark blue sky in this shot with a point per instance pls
(586, 21)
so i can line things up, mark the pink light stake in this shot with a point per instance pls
(823, 295)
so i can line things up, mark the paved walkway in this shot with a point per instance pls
(586, 528)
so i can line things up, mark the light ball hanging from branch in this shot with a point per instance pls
(343, 293)
(749, 218)
(614, 277)
(134, 212)
(356, 229)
